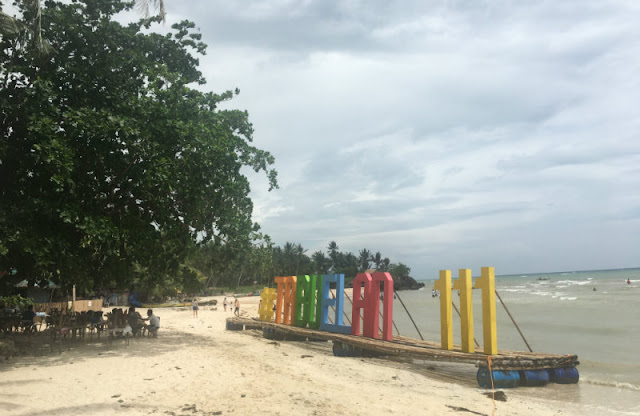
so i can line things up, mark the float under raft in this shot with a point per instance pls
(423, 350)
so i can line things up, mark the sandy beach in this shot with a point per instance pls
(196, 367)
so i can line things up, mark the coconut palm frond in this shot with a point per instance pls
(29, 32)
(144, 8)
(42, 46)
(9, 25)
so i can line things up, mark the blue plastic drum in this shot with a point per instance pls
(534, 378)
(568, 375)
(501, 379)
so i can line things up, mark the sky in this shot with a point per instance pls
(444, 134)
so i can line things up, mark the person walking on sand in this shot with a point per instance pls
(195, 308)
(224, 303)
(236, 309)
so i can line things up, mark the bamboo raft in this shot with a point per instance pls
(422, 350)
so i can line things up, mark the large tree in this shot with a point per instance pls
(110, 160)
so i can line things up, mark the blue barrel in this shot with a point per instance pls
(271, 333)
(534, 378)
(346, 350)
(568, 375)
(231, 326)
(501, 379)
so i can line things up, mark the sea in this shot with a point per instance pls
(594, 314)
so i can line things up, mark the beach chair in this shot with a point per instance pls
(28, 327)
(97, 324)
(118, 327)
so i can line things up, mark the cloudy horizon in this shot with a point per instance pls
(444, 134)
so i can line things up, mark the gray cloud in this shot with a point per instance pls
(442, 133)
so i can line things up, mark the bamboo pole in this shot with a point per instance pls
(410, 317)
(514, 321)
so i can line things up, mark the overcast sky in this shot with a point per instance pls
(444, 134)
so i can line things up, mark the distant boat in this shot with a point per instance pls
(543, 278)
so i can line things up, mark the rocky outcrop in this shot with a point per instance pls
(406, 283)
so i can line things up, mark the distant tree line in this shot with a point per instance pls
(221, 265)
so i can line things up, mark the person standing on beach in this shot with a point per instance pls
(195, 308)
(224, 303)
(236, 310)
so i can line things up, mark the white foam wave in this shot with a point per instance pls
(568, 298)
(514, 290)
(574, 282)
(610, 383)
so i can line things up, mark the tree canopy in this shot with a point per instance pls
(112, 163)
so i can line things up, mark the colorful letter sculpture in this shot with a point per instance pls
(305, 301)
(286, 299)
(308, 301)
(338, 325)
(446, 319)
(362, 301)
(267, 297)
(369, 303)
(487, 282)
(464, 283)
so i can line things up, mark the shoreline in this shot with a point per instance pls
(197, 367)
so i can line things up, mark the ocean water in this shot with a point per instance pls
(558, 313)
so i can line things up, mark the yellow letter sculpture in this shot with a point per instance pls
(267, 297)
(464, 284)
(488, 285)
(446, 319)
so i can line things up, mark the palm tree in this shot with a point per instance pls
(299, 254)
(289, 257)
(29, 30)
(385, 264)
(144, 8)
(377, 259)
(332, 248)
(364, 259)
(321, 263)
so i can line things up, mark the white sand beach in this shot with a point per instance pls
(196, 367)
